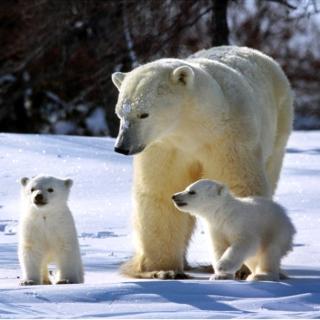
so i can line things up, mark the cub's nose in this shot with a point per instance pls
(39, 197)
(178, 201)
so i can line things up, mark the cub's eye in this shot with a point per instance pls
(50, 190)
(32, 189)
(192, 192)
(143, 115)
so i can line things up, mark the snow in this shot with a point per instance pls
(64, 127)
(101, 204)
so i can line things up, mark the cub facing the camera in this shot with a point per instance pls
(254, 230)
(47, 232)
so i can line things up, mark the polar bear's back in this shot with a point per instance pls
(249, 62)
(238, 58)
(221, 53)
(254, 86)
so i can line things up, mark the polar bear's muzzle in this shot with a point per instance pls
(128, 152)
(179, 200)
(39, 200)
(125, 144)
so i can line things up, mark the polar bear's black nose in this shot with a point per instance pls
(174, 197)
(120, 150)
(39, 197)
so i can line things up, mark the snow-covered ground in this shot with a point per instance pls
(101, 204)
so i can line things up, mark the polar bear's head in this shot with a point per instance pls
(201, 197)
(45, 192)
(150, 102)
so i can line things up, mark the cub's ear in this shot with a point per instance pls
(117, 78)
(183, 75)
(24, 181)
(222, 190)
(68, 183)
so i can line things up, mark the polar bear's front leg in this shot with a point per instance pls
(268, 268)
(30, 261)
(45, 273)
(233, 258)
(218, 247)
(70, 267)
(161, 233)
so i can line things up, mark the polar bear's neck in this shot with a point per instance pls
(47, 210)
(204, 120)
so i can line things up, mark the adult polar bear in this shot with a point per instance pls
(224, 114)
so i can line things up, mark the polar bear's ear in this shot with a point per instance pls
(117, 78)
(68, 183)
(183, 75)
(24, 181)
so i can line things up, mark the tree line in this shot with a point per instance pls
(57, 56)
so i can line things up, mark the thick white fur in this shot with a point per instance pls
(47, 233)
(253, 230)
(225, 113)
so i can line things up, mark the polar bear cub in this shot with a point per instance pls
(47, 232)
(254, 230)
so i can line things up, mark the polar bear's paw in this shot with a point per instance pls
(28, 283)
(224, 266)
(63, 281)
(243, 273)
(222, 276)
(166, 275)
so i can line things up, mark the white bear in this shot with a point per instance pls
(253, 230)
(223, 114)
(47, 232)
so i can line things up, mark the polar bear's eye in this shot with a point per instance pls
(50, 190)
(32, 189)
(192, 192)
(143, 115)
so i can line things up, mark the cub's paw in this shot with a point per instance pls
(166, 275)
(28, 283)
(222, 276)
(63, 281)
(224, 266)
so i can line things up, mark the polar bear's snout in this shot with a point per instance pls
(125, 143)
(121, 150)
(39, 199)
(128, 151)
(179, 200)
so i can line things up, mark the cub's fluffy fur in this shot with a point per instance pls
(254, 230)
(47, 232)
